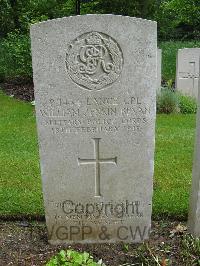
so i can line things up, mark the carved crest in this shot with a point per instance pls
(94, 60)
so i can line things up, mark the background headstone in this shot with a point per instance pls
(194, 207)
(95, 92)
(187, 71)
(159, 68)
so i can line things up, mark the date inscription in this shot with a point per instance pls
(95, 114)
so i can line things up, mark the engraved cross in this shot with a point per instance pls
(191, 74)
(97, 161)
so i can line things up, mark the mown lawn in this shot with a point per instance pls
(20, 184)
(173, 164)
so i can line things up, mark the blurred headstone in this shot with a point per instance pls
(187, 71)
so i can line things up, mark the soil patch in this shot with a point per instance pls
(19, 88)
(25, 243)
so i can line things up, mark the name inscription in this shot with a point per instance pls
(95, 114)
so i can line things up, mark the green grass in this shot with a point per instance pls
(173, 164)
(20, 184)
(169, 52)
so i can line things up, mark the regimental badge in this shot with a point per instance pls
(94, 60)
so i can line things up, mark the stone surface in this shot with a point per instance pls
(159, 68)
(95, 89)
(187, 71)
(194, 207)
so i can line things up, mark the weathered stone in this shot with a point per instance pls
(194, 207)
(187, 71)
(95, 90)
(159, 68)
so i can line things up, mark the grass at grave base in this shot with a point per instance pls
(20, 183)
(20, 186)
(173, 164)
(169, 52)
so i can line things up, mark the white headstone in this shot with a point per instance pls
(159, 68)
(194, 207)
(95, 90)
(187, 71)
